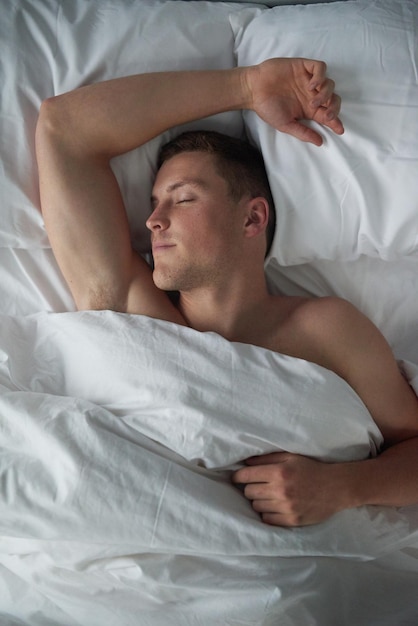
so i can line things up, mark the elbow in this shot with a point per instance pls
(49, 127)
(65, 125)
(51, 143)
(52, 122)
(58, 126)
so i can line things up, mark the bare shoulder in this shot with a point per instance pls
(327, 331)
(310, 308)
(318, 315)
(328, 314)
(335, 334)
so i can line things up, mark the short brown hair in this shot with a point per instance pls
(237, 161)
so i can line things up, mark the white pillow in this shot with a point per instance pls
(49, 48)
(357, 194)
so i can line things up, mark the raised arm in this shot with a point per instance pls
(78, 134)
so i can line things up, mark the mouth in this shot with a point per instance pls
(161, 246)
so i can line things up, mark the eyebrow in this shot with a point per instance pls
(193, 182)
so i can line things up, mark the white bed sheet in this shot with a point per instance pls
(115, 494)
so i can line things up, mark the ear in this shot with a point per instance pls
(256, 217)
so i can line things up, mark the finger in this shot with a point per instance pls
(277, 519)
(335, 125)
(323, 94)
(331, 107)
(266, 506)
(245, 475)
(265, 459)
(303, 133)
(256, 474)
(328, 116)
(318, 70)
(334, 104)
(260, 491)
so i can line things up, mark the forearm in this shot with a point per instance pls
(390, 479)
(116, 116)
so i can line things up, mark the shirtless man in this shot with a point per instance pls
(210, 245)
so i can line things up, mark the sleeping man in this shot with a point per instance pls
(211, 206)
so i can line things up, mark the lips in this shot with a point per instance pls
(160, 246)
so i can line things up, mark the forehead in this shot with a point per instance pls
(194, 168)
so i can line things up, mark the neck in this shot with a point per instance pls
(230, 310)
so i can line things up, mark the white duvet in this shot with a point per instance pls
(117, 434)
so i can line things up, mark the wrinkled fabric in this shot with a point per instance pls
(117, 432)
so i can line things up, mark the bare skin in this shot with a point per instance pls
(211, 249)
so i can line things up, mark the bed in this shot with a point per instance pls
(118, 432)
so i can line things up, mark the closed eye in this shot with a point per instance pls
(184, 200)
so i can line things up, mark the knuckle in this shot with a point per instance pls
(293, 515)
(277, 472)
(322, 66)
(248, 493)
(296, 519)
(286, 473)
(269, 519)
(240, 476)
(289, 494)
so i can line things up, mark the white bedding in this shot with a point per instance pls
(118, 433)
(364, 185)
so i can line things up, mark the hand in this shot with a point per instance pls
(284, 91)
(291, 490)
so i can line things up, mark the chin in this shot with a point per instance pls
(165, 283)
(185, 279)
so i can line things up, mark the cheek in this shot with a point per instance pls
(196, 228)
(209, 228)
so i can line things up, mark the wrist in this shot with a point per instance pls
(349, 484)
(359, 479)
(248, 77)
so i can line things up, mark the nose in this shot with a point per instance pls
(158, 220)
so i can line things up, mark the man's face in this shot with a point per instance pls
(195, 225)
